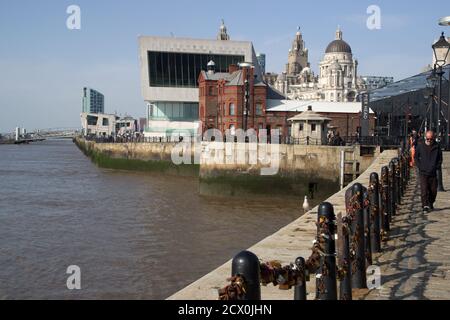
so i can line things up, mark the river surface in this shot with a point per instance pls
(133, 235)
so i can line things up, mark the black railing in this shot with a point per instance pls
(361, 232)
(382, 141)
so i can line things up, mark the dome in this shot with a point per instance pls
(338, 46)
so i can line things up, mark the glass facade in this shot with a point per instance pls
(173, 111)
(174, 69)
(93, 101)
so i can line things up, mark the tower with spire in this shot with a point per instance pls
(298, 55)
(223, 35)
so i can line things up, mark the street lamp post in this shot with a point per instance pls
(441, 50)
(441, 58)
(445, 22)
(431, 84)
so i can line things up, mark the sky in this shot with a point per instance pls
(44, 65)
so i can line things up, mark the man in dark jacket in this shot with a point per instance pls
(428, 159)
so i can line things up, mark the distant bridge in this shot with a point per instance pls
(53, 133)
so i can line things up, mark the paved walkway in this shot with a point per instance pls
(415, 263)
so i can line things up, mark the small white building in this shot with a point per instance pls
(126, 126)
(310, 128)
(99, 124)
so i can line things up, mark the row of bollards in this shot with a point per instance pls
(359, 234)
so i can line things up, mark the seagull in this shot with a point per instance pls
(306, 204)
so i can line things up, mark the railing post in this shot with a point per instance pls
(367, 226)
(246, 265)
(300, 288)
(392, 189)
(357, 244)
(326, 275)
(385, 201)
(374, 198)
(398, 182)
(345, 276)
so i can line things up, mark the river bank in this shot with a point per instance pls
(300, 170)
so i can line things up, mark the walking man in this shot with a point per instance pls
(428, 159)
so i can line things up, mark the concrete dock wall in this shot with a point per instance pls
(231, 169)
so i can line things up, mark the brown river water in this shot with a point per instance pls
(133, 235)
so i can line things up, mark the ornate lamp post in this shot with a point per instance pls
(445, 22)
(431, 84)
(441, 50)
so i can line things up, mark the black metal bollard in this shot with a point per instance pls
(357, 242)
(345, 287)
(367, 226)
(385, 201)
(300, 288)
(398, 183)
(392, 190)
(374, 199)
(326, 286)
(401, 175)
(246, 265)
(440, 187)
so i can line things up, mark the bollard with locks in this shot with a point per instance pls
(300, 288)
(375, 220)
(326, 286)
(385, 203)
(392, 190)
(398, 183)
(367, 226)
(344, 270)
(245, 266)
(357, 252)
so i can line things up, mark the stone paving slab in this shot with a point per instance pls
(286, 245)
(415, 263)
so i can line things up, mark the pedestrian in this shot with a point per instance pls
(428, 159)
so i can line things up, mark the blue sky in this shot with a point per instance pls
(43, 65)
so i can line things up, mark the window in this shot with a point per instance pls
(232, 130)
(105, 121)
(175, 69)
(259, 109)
(313, 127)
(301, 127)
(92, 120)
(232, 109)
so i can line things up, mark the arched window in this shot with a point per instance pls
(232, 109)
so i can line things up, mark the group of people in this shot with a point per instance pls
(334, 139)
(426, 156)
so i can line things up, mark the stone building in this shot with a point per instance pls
(222, 105)
(337, 80)
(310, 127)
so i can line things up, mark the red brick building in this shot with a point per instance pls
(222, 105)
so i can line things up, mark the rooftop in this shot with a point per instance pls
(318, 106)
(411, 84)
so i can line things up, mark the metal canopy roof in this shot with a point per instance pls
(411, 84)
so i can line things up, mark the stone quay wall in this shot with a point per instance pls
(229, 169)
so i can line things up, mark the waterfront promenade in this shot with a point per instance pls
(294, 240)
(415, 262)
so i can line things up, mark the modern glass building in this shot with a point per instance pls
(93, 101)
(170, 68)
